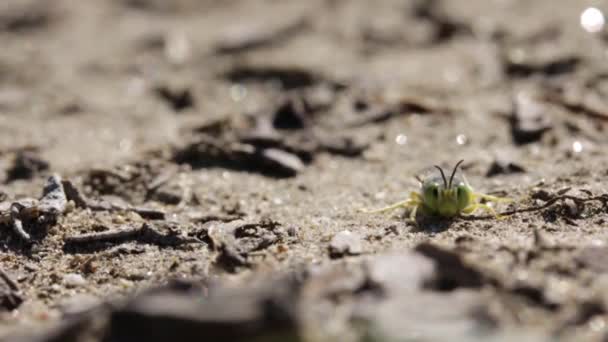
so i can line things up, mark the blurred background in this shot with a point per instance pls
(115, 78)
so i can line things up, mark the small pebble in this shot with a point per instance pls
(345, 243)
(74, 280)
(572, 208)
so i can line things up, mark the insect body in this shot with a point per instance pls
(439, 196)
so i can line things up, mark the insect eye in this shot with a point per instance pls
(431, 192)
(463, 195)
(461, 190)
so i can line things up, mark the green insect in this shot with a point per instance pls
(439, 196)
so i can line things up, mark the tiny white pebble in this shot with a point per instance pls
(74, 280)
(177, 48)
(238, 93)
(401, 139)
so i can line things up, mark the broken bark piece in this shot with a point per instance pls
(345, 243)
(529, 120)
(216, 217)
(53, 199)
(144, 233)
(106, 236)
(147, 213)
(73, 194)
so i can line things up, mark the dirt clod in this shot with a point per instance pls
(345, 243)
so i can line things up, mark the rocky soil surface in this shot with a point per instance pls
(193, 170)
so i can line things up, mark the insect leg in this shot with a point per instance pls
(414, 196)
(413, 213)
(470, 209)
(404, 204)
(413, 201)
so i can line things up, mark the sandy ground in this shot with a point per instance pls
(236, 141)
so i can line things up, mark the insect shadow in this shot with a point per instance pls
(430, 224)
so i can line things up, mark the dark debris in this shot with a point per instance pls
(445, 27)
(287, 78)
(177, 99)
(259, 37)
(35, 215)
(504, 167)
(555, 67)
(236, 240)
(10, 295)
(26, 165)
(73, 194)
(206, 151)
(24, 16)
(145, 233)
(452, 271)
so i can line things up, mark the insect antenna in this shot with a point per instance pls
(453, 173)
(445, 181)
